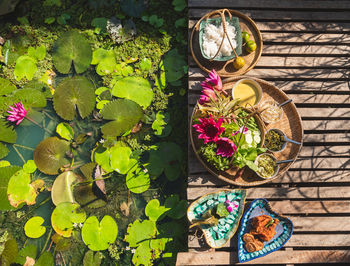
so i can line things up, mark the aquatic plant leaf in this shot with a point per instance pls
(49, 155)
(85, 196)
(5, 174)
(120, 159)
(100, 24)
(179, 5)
(33, 227)
(4, 163)
(29, 167)
(161, 78)
(133, 8)
(134, 88)
(27, 251)
(92, 260)
(177, 207)
(45, 259)
(140, 231)
(25, 67)
(145, 64)
(38, 53)
(99, 235)
(174, 64)
(3, 150)
(29, 98)
(65, 131)
(62, 190)
(154, 211)
(125, 115)
(9, 253)
(105, 61)
(74, 93)
(64, 216)
(101, 156)
(143, 255)
(160, 126)
(6, 87)
(20, 190)
(7, 133)
(71, 47)
(138, 181)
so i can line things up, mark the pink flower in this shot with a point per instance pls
(209, 129)
(230, 206)
(243, 130)
(226, 147)
(214, 80)
(18, 113)
(208, 93)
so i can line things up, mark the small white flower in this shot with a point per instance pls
(102, 141)
(75, 225)
(127, 248)
(80, 225)
(145, 170)
(133, 250)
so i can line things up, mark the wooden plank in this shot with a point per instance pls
(279, 193)
(296, 241)
(306, 50)
(264, 4)
(278, 257)
(294, 74)
(281, 15)
(293, 177)
(292, 86)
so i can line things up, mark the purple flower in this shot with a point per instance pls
(243, 130)
(17, 114)
(209, 129)
(226, 147)
(208, 93)
(214, 80)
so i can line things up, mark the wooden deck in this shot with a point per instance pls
(306, 54)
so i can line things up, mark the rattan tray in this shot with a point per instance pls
(290, 124)
(226, 69)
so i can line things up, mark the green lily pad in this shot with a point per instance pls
(92, 260)
(120, 159)
(62, 190)
(125, 115)
(74, 93)
(64, 216)
(9, 253)
(177, 207)
(65, 131)
(4, 163)
(49, 155)
(138, 181)
(105, 61)
(5, 174)
(20, 190)
(154, 211)
(99, 235)
(27, 251)
(160, 125)
(33, 227)
(71, 47)
(143, 255)
(7, 133)
(140, 231)
(45, 259)
(101, 156)
(3, 150)
(174, 64)
(38, 53)
(6, 87)
(29, 167)
(134, 88)
(25, 67)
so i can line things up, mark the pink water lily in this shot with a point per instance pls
(243, 130)
(214, 80)
(226, 147)
(17, 113)
(209, 129)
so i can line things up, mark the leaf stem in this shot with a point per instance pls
(19, 154)
(36, 123)
(47, 241)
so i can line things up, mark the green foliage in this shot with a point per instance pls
(92, 260)
(100, 25)
(179, 5)
(64, 216)
(145, 64)
(125, 115)
(29, 167)
(74, 93)
(177, 207)
(181, 22)
(52, 3)
(133, 8)
(25, 67)
(33, 227)
(209, 153)
(138, 181)
(154, 20)
(140, 231)
(160, 125)
(6, 173)
(37, 53)
(65, 131)
(136, 89)
(105, 61)
(6, 87)
(3, 150)
(45, 259)
(71, 47)
(62, 188)
(174, 66)
(99, 235)
(49, 155)
(120, 159)
(7, 133)
(62, 19)
(9, 253)
(154, 211)
(28, 251)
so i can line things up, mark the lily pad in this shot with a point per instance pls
(154, 211)
(33, 227)
(125, 115)
(120, 159)
(134, 88)
(138, 181)
(101, 156)
(6, 87)
(45, 259)
(5, 174)
(20, 190)
(3, 150)
(71, 47)
(140, 231)
(174, 64)
(62, 190)
(177, 207)
(27, 251)
(25, 67)
(7, 133)
(160, 125)
(9, 253)
(64, 216)
(49, 155)
(29, 167)
(99, 235)
(92, 260)
(74, 93)
(38, 53)
(65, 131)
(105, 61)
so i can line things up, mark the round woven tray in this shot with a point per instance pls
(225, 68)
(290, 124)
